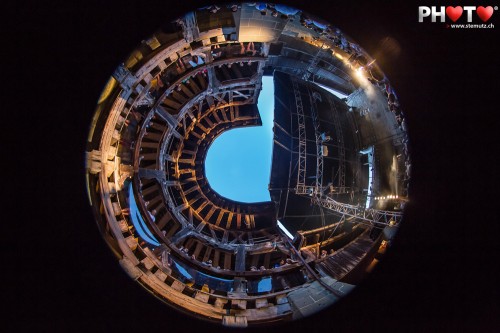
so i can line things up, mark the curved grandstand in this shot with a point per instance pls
(339, 174)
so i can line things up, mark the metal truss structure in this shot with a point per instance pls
(313, 65)
(340, 136)
(301, 172)
(372, 216)
(318, 184)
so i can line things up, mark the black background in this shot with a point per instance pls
(441, 274)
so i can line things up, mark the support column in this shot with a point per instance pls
(213, 83)
(240, 258)
(181, 235)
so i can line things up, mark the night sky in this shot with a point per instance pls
(442, 272)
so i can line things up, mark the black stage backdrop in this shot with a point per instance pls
(442, 272)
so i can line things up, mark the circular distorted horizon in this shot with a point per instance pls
(339, 165)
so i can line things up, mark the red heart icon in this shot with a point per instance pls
(484, 13)
(454, 13)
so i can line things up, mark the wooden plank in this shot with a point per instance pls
(203, 128)
(238, 221)
(220, 303)
(167, 101)
(189, 244)
(186, 90)
(192, 189)
(216, 116)
(267, 259)
(132, 242)
(177, 285)
(223, 111)
(179, 97)
(231, 113)
(227, 260)
(190, 152)
(154, 201)
(237, 112)
(215, 262)
(150, 190)
(123, 225)
(194, 86)
(190, 217)
(210, 213)
(239, 304)
(208, 252)
(197, 250)
(219, 218)
(203, 82)
(202, 297)
(172, 230)
(148, 263)
(261, 303)
(196, 198)
(203, 205)
(229, 220)
(186, 161)
(199, 136)
(163, 221)
(247, 221)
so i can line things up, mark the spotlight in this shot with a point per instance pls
(359, 72)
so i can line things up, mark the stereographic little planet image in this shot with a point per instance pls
(248, 164)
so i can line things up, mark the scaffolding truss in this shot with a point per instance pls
(341, 146)
(301, 170)
(360, 214)
(314, 63)
(318, 184)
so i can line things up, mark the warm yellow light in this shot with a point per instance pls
(339, 56)
(359, 72)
